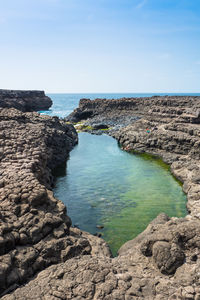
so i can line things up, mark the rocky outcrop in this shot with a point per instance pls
(162, 263)
(24, 100)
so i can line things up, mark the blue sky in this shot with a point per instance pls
(100, 45)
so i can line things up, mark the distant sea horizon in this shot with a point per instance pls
(128, 93)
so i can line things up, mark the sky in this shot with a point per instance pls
(82, 46)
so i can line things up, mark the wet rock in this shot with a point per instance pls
(98, 234)
(100, 126)
(100, 226)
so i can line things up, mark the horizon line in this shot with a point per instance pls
(122, 92)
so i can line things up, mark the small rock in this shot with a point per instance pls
(99, 226)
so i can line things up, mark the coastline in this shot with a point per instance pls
(163, 261)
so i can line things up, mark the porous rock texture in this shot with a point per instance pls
(34, 227)
(24, 100)
(163, 262)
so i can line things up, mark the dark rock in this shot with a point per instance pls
(100, 126)
(167, 257)
(24, 100)
(98, 234)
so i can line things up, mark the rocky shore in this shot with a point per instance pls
(34, 227)
(24, 100)
(162, 263)
(168, 127)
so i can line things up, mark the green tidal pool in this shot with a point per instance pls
(105, 186)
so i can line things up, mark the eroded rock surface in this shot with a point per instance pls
(163, 262)
(135, 274)
(24, 100)
(34, 227)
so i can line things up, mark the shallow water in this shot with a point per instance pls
(123, 192)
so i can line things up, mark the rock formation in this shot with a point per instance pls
(34, 227)
(162, 263)
(24, 100)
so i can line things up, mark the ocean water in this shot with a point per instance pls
(102, 185)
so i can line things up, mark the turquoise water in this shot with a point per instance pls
(103, 185)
